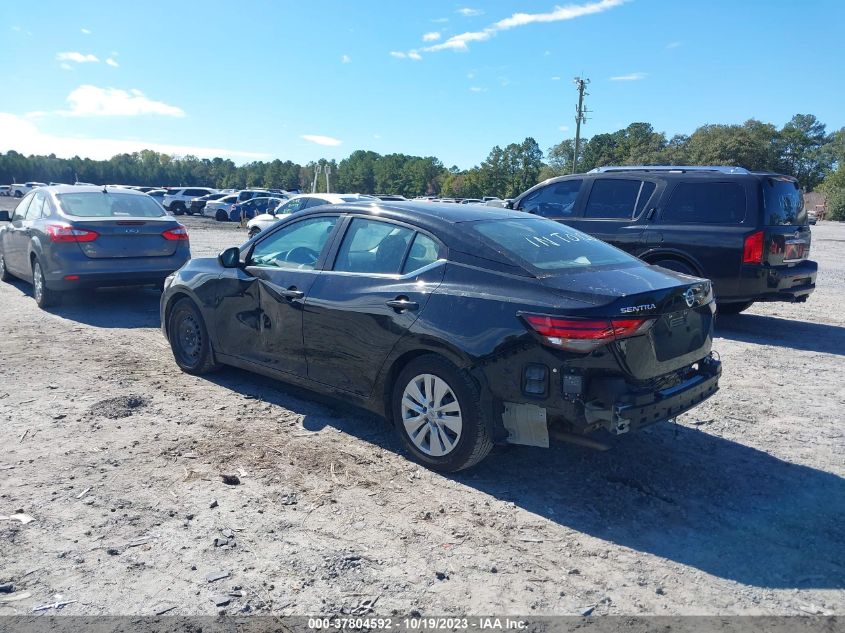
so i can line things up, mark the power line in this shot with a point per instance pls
(580, 117)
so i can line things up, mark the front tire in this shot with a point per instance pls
(44, 296)
(178, 208)
(4, 274)
(437, 412)
(189, 339)
(733, 308)
(221, 216)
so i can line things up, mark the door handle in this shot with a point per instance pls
(402, 304)
(292, 293)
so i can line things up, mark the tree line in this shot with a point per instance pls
(802, 148)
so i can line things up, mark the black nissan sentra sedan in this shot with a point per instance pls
(465, 325)
(65, 238)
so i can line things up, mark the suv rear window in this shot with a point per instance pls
(549, 246)
(706, 203)
(613, 199)
(782, 202)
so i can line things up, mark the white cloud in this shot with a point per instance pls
(377, 136)
(563, 128)
(111, 62)
(469, 13)
(547, 53)
(398, 54)
(673, 44)
(85, 31)
(629, 77)
(559, 14)
(555, 78)
(90, 100)
(440, 20)
(78, 58)
(321, 140)
(477, 89)
(23, 135)
(415, 56)
(345, 59)
(65, 66)
(433, 36)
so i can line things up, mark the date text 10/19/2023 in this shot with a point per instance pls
(418, 623)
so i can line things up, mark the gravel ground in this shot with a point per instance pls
(117, 456)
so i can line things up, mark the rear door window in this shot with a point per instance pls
(613, 199)
(424, 251)
(372, 246)
(556, 200)
(783, 202)
(706, 203)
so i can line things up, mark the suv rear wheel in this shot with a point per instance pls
(4, 274)
(178, 208)
(221, 216)
(676, 265)
(437, 412)
(733, 308)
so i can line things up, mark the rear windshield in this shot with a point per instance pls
(107, 205)
(782, 202)
(548, 246)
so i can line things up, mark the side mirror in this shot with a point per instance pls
(4, 216)
(230, 258)
(509, 204)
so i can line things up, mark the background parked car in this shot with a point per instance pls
(158, 195)
(251, 208)
(5, 190)
(176, 200)
(64, 238)
(198, 204)
(746, 231)
(219, 209)
(300, 202)
(19, 191)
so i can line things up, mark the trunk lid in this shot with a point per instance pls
(122, 238)
(679, 306)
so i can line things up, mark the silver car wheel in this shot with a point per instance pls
(37, 282)
(431, 415)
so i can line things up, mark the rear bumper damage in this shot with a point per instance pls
(631, 412)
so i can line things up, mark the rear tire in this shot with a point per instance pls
(189, 339)
(4, 274)
(677, 266)
(44, 296)
(221, 216)
(733, 308)
(437, 412)
(18, 194)
(177, 208)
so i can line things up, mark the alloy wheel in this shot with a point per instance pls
(431, 415)
(37, 282)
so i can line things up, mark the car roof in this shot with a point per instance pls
(89, 189)
(424, 213)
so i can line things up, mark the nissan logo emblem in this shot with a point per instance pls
(689, 297)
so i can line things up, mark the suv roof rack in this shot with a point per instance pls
(723, 169)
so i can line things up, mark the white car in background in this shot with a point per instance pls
(178, 199)
(19, 191)
(300, 202)
(5, 190)
(213, 206)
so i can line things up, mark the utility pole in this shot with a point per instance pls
(328, 171)
(317, 169)
(580, 117)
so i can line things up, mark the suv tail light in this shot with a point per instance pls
(179, 233)
(584, 335)
(752, 249)
(70, 233)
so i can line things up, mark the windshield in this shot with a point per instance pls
(783, 202)
(549, 246)
(107, 205)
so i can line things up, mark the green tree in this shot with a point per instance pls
(802, 148)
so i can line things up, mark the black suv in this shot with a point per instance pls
(746, 231)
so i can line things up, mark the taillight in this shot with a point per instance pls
(69, 233)
(179, 233)
(584, 335)
(752, 249)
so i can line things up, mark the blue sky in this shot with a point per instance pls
(301, 80)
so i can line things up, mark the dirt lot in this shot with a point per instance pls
(118, 456)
